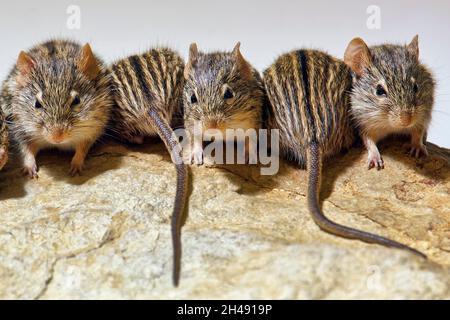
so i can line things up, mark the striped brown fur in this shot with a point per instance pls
(147, 91)
(152, 79)
(309, 94)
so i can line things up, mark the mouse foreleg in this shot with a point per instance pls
(417, 146)
(29, 152)
(77, 163)
(374, 159)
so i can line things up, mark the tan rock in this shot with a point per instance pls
(107, 234)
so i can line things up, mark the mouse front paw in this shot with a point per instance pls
(31, 171)
(374, 160)
(209, 162)
(196, 156)
(3, 157)
(76, 168)
(417, 150)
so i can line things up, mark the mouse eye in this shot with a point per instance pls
(37, 104)
(76, 101)
(228, 94)
(194, 98)
(415, 88)
(381, 92)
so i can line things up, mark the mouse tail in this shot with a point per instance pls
(173, 146)
(314, 163)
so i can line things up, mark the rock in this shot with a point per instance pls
(106, 234)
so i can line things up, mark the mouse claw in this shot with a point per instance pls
(197, 157)
(380, 164)
(198, 160)
(209, 162)
(419, 151)
(375, 161)
(416, 150)
(76, 169)
(31, 171)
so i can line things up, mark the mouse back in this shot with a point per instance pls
(309, 102)
(152, 80)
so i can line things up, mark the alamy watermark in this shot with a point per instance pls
(232, 146)
(374, 19)
(73, 21)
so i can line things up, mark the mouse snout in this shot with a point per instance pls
(212, 127)
(405, 118)
(57, 135)
(211, 124)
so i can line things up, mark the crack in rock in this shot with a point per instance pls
(106, 239)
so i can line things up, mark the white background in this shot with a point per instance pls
(265, 28)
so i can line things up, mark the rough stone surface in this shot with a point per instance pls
(106, 234)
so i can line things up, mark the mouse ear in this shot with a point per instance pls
(88, 63)
(413, 47)
(357, 56)
(193, 57)
(244, 67)
(25, 65)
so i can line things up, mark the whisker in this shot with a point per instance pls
(441, 112)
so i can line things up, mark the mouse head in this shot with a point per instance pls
(391, 88)
(222, 91)
(56, 96)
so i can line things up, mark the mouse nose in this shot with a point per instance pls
(57, 135)
(405, 118)
(211, 124)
